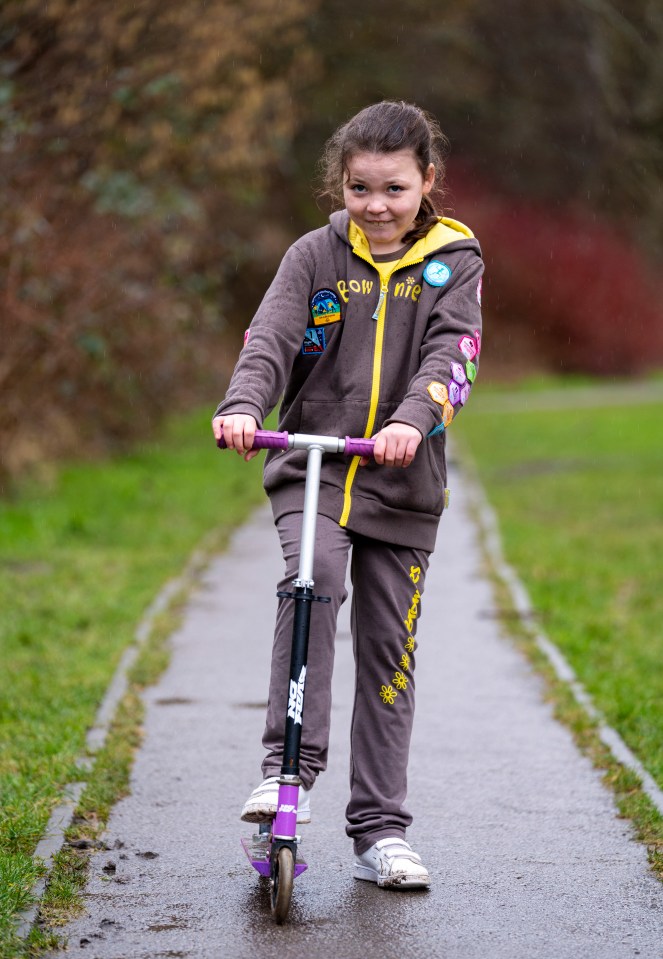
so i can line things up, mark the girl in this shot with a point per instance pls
(371, 327)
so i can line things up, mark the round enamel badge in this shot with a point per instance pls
(437, 273)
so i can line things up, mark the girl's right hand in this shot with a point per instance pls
(238, 430)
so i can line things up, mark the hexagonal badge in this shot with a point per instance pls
(467, 347)
(471, 371)
(454, 392)
(477, 340)
(447, 413)
(458, 373)
(438, 392)
(464, 393)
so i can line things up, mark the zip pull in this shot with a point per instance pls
(383, 292)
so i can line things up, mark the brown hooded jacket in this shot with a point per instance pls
(352, 351)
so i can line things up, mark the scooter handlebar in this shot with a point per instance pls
(264, 440)
(270, 440)
(358, 447)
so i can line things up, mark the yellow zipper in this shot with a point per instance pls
(380, 315)
(381, 312)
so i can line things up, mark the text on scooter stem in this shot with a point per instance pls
(296, 697)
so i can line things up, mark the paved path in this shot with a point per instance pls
(528, 857)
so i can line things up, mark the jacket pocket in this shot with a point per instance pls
(418, 489)
(342, 418)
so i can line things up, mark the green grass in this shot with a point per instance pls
(579, 495)
(79, 563)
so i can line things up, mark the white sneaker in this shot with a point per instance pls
(263, 801)
(391, 862)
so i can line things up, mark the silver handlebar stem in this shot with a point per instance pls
(310, 516)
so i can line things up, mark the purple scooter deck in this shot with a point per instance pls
(257, 851)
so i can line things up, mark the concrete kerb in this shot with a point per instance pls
(489, 527)
(62, 815)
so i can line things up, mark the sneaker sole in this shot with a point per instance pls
(399, 881)
(259, 814)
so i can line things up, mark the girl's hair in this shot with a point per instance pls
(387, 127)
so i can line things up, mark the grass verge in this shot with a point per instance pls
(579, 497)
(107, 783)
(80, 562)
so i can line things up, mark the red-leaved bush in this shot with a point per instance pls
(573, 279)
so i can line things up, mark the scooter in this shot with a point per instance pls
(273, 851)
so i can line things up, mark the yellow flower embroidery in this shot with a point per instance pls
(388, 695)
(400, 680)
(410, 644)
(405, 661)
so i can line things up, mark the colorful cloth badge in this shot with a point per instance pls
(477, 340)
(437, 273)
(325, 307)
(479, 289)
(464, 394)
(471, 371)
(467, 347)
(438, 392)
(454, 392)
(458, 373)
(447, 413)
(314, 342)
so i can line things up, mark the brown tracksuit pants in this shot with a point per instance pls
(387, 585)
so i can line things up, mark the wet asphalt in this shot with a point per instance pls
(527, 855)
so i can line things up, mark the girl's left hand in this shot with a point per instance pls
(395, 445)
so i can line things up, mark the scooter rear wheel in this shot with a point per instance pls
(282, 882)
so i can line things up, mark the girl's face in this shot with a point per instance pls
(382, 193)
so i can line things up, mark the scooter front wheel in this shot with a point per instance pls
(282, 882)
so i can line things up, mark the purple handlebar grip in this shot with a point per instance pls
(264, 440)
(358, 447)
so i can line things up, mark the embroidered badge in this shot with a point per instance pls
(436, 430)
(479, 289)
(437, 273)
(458, 373)
(471, 371)
(325, 307)
(247, 333)
(467, 347)
(454, 392)
(447, 413)
(314, 342)
(477, 340)
(438, 392)
(464, 393)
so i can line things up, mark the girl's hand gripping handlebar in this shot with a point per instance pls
(270, 440)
